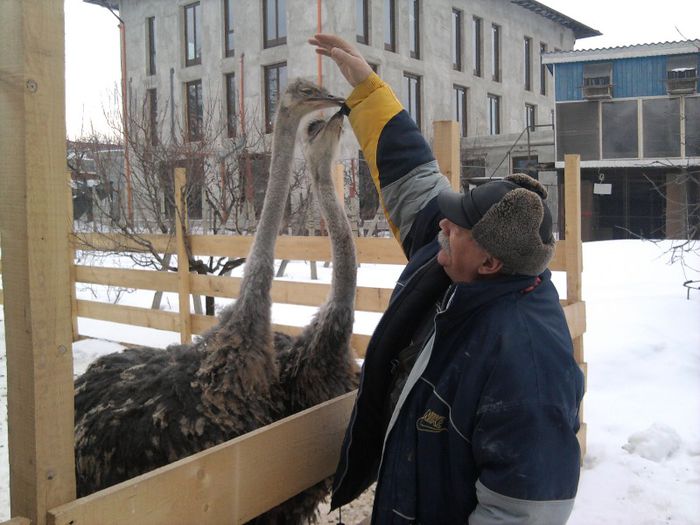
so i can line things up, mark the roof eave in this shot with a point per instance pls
(580, 30)
(109, 4)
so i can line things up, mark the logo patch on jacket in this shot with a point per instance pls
(431, 422)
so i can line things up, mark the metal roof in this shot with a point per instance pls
(683, 47)
(580, 30)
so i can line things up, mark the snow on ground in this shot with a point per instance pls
(642, 406)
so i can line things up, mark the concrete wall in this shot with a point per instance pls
(339, 17)
(434, 67)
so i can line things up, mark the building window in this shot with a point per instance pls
(228, 28)
(496, 52)
(193, 31)
(151, 43)
(390, 25)
(460, 98)
(275, 15)
(477, 45)
(414, 28)
(275, 82)
(527, 62)
(152, 116)
(530, 116)
(543, 70)
(457, 39)
(412, 96)
(362, 21)
(494, 115)
(231, 105)
(195, 110)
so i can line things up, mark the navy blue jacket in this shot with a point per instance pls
(485, 428)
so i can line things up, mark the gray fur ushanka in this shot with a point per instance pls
(509, 230)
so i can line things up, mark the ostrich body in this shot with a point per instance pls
(143, 408)
(319, 364)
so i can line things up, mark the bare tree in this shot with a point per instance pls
(227, 172)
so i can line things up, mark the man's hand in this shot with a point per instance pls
(352, 65)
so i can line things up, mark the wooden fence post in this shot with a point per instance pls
(36, 275)
(71, 263)
(183, 266)
(446, 149)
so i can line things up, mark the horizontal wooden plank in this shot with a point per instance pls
(120, 243)
(131, 315)
(141, 279)
(290, 292)
(576, 318)
(230, 483)
(369, 249)
(17, 521)
(358, 342)
(136, 316)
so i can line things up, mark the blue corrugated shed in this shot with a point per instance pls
(632, 77)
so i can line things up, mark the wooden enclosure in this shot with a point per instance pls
(234, 481)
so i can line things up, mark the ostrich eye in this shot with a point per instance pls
(307, 91)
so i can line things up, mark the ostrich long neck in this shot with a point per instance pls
(344, 278)
(259, 266)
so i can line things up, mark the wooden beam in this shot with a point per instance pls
(375, 250)
(17, 521)
(183, 260)
(576, 319)
(36, 276)
(572, 207)
(446, 149)
(229, 483)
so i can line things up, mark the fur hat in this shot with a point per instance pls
(509, 219)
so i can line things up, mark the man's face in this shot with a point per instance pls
(460, 255)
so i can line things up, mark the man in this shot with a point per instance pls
(467, 409)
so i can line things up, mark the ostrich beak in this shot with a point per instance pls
(327, 101)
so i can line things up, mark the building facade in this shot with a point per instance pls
(633, 114)
(474, 61)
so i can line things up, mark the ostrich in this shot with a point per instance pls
(319, 364)
(143, 408)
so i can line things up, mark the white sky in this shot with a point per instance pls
(92, 44)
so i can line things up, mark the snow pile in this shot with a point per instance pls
(657, 443)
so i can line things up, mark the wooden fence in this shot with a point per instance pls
(231, 482)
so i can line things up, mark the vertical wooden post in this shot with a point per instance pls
(446, 149)
(183, 267)
(572, 232)
(36, 276)
(71, 263)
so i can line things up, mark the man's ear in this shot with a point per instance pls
(490, 266)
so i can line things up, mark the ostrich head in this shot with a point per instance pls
(321, 140)
(302, 97)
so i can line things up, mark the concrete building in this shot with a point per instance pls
(633, 114)
(474, 61)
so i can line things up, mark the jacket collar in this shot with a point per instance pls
(466, 297)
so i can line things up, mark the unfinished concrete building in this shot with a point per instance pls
(474, 61)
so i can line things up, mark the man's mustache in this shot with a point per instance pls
(444, 242)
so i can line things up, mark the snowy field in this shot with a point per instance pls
(642, 407)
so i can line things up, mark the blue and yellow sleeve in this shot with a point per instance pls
(401, 163)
